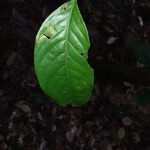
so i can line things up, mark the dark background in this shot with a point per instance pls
(30, 120)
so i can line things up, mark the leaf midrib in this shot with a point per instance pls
(66, 44)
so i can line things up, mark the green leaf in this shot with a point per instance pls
(60, 56)
(142, 98)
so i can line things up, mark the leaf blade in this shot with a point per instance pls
(60, 56)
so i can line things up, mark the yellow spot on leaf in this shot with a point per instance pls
(49, 32)
(37, 37)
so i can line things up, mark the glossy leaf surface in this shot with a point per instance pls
(60, 56)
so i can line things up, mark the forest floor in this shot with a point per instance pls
(30, 120)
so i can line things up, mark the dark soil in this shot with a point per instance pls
(30, 120)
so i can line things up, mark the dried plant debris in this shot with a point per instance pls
(116, 117)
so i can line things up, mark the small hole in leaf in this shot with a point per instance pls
(82, 54)
(64, 7)
(47, 36)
